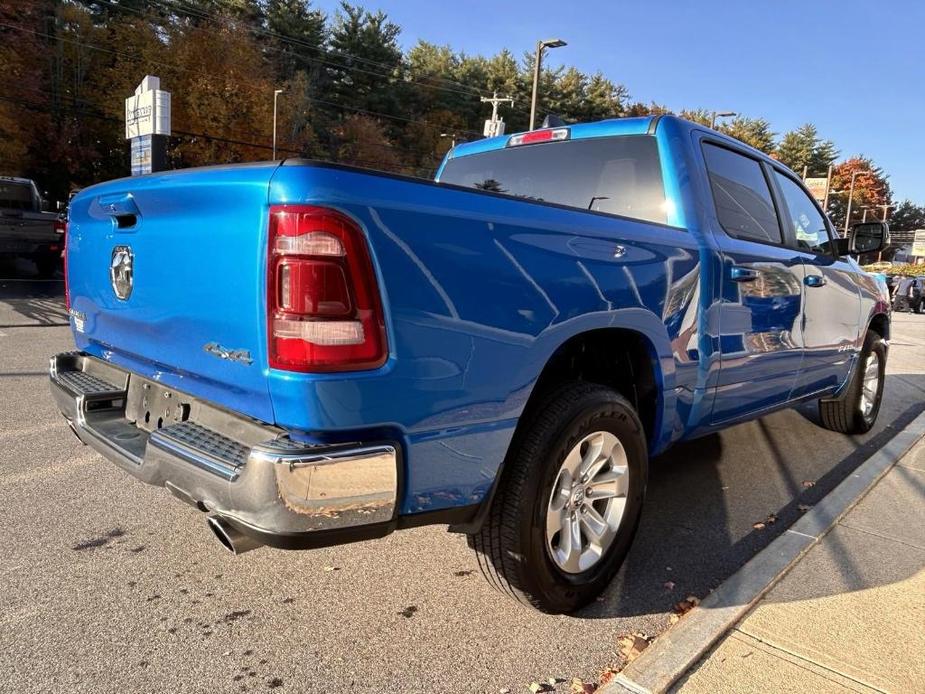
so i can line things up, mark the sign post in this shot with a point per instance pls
(147, 126)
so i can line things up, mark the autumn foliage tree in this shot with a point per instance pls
(350, 93)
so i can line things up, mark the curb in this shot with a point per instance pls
(678, 649)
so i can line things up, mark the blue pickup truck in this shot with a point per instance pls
(313, 354)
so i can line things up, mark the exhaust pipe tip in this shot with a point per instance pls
(231, 538)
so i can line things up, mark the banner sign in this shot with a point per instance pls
(918, 243)
(816, 187)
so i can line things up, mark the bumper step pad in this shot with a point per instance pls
(201, 446)
(86, 384)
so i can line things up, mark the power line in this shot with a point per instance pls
(187, 70)
(219, 19)
(375, 163)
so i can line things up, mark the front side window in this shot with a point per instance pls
(806, 221)
(618, 175)
(744, 205)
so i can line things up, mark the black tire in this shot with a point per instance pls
(47, 265)
(845, 414)
(511, 544)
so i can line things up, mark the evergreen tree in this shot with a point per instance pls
(752, 131)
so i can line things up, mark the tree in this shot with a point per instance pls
(907, 216)
(699, 115)
(366, 62)
(871, 189)
(297, 37)
(803, 148)
(752, 131)
(363, 142)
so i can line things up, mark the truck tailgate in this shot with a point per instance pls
(166, 275)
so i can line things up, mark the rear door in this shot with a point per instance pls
(760, 339)
(832, 303)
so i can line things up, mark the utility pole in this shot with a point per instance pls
(495, 126)
(828, 189)
(854, 175)
(275, 97)
(540, 47)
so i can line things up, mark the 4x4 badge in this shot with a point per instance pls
(122, 271)
(242, 356)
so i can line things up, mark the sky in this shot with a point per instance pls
(856, 69)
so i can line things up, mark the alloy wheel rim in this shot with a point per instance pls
(587, 503)
(871, 384)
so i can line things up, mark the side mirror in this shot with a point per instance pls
(868, 237)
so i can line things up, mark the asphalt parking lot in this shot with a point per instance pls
(107, 585)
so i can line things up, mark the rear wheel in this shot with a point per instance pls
(571, 494)
(855, 412)
(47, 265)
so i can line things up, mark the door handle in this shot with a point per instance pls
(814, 280)
(743, 274)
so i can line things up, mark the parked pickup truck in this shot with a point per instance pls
(313, 354)
(25, 229)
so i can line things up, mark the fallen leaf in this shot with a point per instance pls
(504, 690)
(673, 618)
(578, 687)
(535, 687)
(686, 605)
(331, 568)
(808, 483)
(761, 525)
(669, 585)
(607, 676)
(632, 645)
(804, 507)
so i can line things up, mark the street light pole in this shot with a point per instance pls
(275, 98)
(721, 114)
(540, 47)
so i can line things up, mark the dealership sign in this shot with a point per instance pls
(147, 125)
(147, 111)
(918, 244)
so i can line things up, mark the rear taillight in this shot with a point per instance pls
(323, 307)
(67, 292)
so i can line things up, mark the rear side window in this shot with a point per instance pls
(618, 175)
(16, 196)
(743, 199)
(806, 221)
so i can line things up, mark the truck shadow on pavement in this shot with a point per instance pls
(715, 502)
(27, 299)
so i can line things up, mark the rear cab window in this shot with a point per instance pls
(744, 206)
(17, 196)
(619, 175)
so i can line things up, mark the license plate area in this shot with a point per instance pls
(152, 406)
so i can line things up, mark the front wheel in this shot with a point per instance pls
(855, 412)
(569, 500)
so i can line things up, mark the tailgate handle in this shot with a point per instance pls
(121, 207)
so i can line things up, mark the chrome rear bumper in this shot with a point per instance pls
(283, 492)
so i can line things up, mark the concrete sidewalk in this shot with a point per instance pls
(849, 616)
